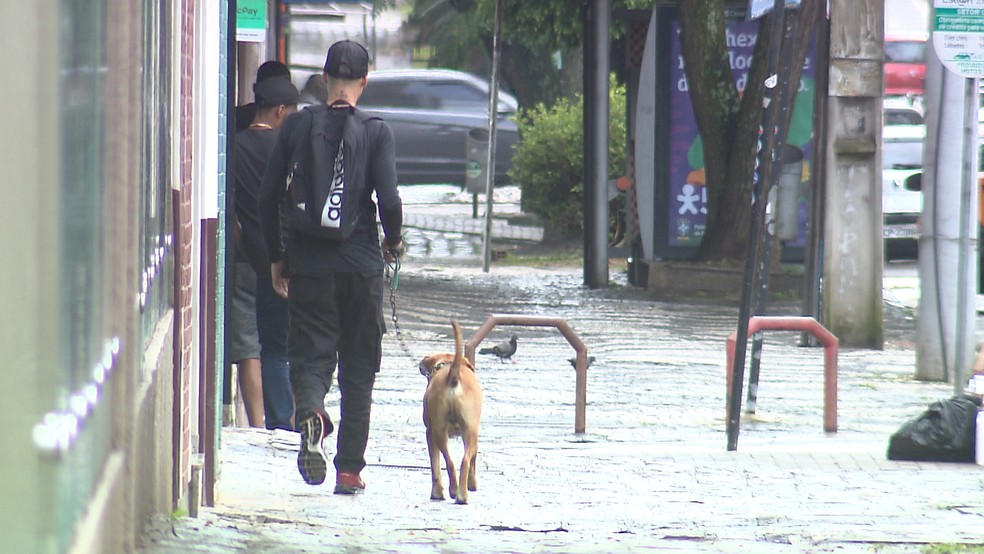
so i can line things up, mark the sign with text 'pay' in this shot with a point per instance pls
(251, 16)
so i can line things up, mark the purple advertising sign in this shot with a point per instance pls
(687, 205)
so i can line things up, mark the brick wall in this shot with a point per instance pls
(183, 298)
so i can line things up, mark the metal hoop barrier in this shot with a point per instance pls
(823, 336)
(581, 360)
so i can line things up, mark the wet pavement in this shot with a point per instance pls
(651, 472)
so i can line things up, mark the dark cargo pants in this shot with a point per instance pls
(337, 320)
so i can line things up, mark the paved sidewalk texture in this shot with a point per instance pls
(651, 472)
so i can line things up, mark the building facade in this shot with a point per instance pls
(114, 172)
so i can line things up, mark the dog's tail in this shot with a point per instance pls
(459, 355)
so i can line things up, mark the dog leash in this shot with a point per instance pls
(393, 280)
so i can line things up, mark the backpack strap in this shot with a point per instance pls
(296, 143)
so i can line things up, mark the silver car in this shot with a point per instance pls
(431, 112)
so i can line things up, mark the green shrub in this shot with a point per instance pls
(549, 159)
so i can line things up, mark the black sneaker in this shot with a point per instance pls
(311, 459)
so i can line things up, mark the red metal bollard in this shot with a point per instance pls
(823, 336)
(580, 363)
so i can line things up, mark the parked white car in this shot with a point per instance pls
(902, 147)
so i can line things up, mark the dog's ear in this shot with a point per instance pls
(431, 364)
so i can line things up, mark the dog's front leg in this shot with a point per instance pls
(434, 450)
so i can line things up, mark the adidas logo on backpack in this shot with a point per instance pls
(325, 192)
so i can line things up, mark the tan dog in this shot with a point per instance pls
(452, 407)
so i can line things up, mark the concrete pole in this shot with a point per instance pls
(249, 58)
(596, 143)
(852, 262)
(947, 267)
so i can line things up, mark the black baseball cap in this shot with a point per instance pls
(275, 91)
(347, 60)
(271, 68)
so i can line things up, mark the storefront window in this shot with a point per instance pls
(78, 429)
(156, 246)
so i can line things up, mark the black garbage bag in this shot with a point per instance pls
(943, 433)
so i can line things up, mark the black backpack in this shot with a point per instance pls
(325, 192)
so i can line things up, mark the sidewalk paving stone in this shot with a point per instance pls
(650, 474)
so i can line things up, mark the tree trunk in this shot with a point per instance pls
(728, 122)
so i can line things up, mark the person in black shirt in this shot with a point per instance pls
(242, 338)
(276, 98)
(334, 288)
(267, 70)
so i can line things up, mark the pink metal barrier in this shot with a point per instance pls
(823, 336)
(580, 363)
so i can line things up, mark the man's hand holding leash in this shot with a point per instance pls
(392, 252)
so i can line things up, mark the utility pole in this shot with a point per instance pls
(948, 230)
(852, 261)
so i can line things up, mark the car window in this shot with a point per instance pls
(387, 93)
(902, 154)
(457, 96)
(905, 52)
(427, 95)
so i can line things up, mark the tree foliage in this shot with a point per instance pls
(548, 161)
(541, 41)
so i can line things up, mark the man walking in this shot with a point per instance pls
(327, 162)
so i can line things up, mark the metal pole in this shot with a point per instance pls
(771, 175)
(596, 147)
(814, 226)
(493, 116)
(754, 229)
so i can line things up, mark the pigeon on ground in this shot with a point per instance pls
(573, 361)
(504, 350)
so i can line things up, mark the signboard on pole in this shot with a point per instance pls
(958, 36)
(251, 17)
(758, 8)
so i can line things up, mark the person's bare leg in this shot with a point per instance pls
(251, 388)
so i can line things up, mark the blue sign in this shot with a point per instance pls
(687, 193)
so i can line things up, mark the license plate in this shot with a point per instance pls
(909, 231)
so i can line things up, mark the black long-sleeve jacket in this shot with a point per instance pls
(305, 254)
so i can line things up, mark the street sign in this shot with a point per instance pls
(251, 18)
(758, 8)
(958, 36)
